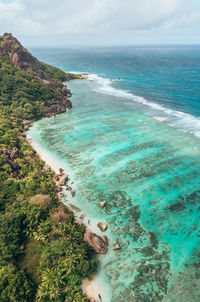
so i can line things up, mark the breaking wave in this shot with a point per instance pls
(173, 118)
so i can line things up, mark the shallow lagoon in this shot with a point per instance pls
(149, 174)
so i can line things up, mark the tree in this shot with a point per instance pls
(15, 285)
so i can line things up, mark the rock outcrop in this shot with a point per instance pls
(26, 124)
(15, 153)
(61, 171)
(95, 242)
(68, 104)
(55, 107)
(105, 239)
(20, 57)
(62, 180)
(10, 156)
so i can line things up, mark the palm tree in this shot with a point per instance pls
(50, 287)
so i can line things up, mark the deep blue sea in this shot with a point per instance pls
(166, 76)
(133, 140)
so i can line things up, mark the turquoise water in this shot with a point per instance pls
(127, 154)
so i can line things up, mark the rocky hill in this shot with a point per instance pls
(52, 77)
(19, 56)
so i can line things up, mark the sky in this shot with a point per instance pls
(56, 23)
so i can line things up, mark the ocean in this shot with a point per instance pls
(133, 140)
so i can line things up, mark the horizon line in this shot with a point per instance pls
(116, 45)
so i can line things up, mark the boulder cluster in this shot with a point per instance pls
(98, 243)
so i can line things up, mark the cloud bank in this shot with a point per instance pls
(102, 21)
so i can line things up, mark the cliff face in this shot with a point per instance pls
(11, 48)
(20, 57)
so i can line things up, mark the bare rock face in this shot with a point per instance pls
(68, 93)
(95, 242)
(55, 107)
(68, 104)
(102, 226)
(105, 239)
(19, 56)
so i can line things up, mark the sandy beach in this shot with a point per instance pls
(91, 289)
(49, 162)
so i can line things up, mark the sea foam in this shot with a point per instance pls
(181, 120)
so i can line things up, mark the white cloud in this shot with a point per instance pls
(97, 17)
(9, 10)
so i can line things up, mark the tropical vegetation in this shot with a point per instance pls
(42, 253)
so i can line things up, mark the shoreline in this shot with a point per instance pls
(89, 287)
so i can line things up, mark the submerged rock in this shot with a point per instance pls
(95, 242)
(102, 226)
(177, 207)
(73, 193)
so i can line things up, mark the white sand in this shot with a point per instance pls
(90, 288)
(44, 156)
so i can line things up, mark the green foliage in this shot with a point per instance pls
(58, 75)
(15, 286)
(30, 260)
(11, 235)
(25, 95)
(42, 253)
